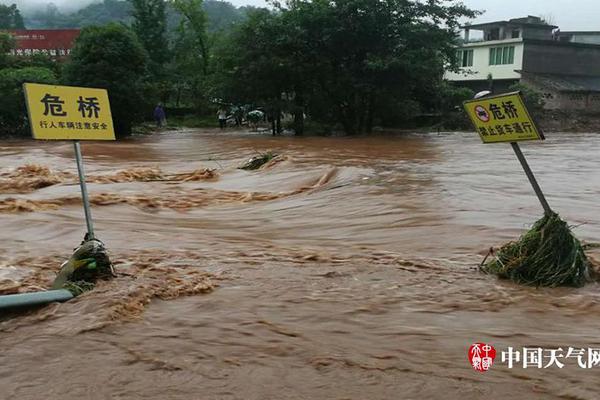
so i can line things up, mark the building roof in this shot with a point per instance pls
(595, 33)
(529, 21)
(564, 83)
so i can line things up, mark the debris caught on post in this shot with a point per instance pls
(89, 263)
(547, 255)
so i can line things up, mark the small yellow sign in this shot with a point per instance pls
(502, 118)
(69, 113)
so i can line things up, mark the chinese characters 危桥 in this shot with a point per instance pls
(501, 113)
(53, 105)
(89, 107)
(506, 110)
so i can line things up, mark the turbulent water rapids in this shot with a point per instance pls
(346, 268)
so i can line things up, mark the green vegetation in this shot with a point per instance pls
(10, 17)
(191, 61)
(193, 121)
(111, 57)
(533, 99)
(7, 43)
(451, 106)
(221, 15)
(256, 162)
(150, 26)
(13, 113)
(547, 255)
(355, 63)
(348, 65)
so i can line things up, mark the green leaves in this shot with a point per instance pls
(150, 26)
(111, 57)
(13, 113)
(10, 17)
(355, 62)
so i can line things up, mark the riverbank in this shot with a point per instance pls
(548, 120)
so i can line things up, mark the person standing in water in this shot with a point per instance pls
(159, 115)
(222, 115)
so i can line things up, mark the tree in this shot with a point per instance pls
(190, 67)
(221, 15)
(7, 43)
(252, 65)
(10, 17)
(351, 62)
(194, 22)
(111, 57)
(13, 113)
(150, 26)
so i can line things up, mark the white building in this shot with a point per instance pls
(530, 51)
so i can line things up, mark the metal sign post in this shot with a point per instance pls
(70, 113)
(84, 193)
(504, 118)
(531, 177)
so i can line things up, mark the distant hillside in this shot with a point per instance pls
(221, 15)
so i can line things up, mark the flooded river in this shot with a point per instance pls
(347, 269)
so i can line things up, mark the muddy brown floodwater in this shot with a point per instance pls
(346, 270)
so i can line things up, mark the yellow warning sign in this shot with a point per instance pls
(502, 118)
(69, 113)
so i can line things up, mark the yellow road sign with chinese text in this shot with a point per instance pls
(502, 118)
(68, 113)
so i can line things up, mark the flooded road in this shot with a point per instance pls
(347, 270)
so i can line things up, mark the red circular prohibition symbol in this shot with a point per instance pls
(482, 113)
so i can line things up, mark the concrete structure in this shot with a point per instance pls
(579, 37)
(564, 66)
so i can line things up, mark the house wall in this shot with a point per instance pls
(579, 101)
(552, 57)
(481, 62)
(498, 86)
(556, 100)
(536, 33)
(538, 57)
(586, 38)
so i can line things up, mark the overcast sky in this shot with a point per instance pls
(569, 15)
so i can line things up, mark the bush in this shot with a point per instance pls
(111, 57)
(7, 43)
(13, 111)
(452, 97)
(451, 100)
(533, 99)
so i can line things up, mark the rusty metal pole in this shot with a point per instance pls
(84, 193)
(531, 177)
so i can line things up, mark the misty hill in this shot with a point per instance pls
(221, 15)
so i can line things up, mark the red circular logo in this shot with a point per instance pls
(481, 356)
(482, 113)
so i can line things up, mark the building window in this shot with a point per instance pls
(493, 34)
(464, 58)
(516, 34)
(502, 55)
